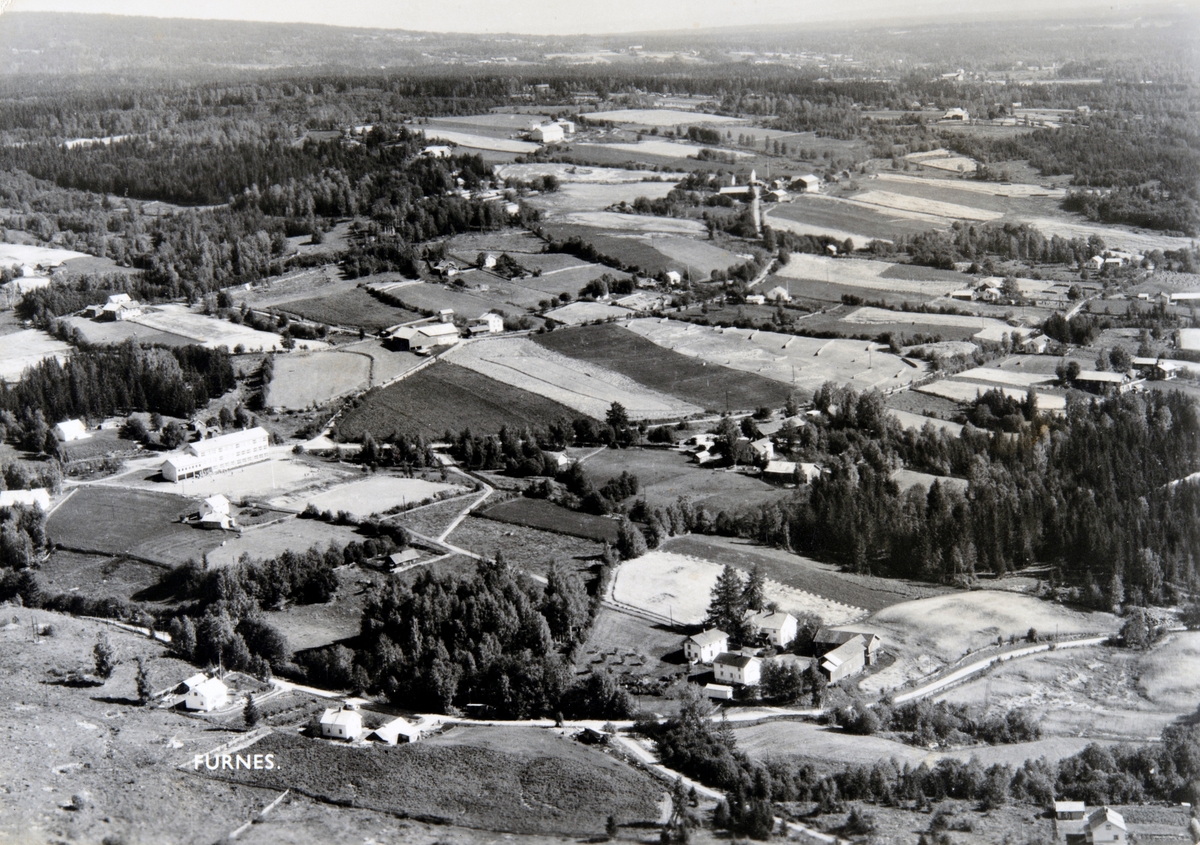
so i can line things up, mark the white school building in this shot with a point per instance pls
(229, 451)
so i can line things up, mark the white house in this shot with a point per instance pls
(779, 628)
(561, 460)
(69, 430)
(341, 723)
(756, 299)
(548, 133)
(207, 695)
(733, 668)
(215, 512)
(778, 294)
(763, 448)
(38, 498)
(705, 646)
(489, 323)
(961, 115)
(1105, 825)
(674, 277)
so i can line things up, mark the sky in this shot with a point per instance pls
(563, 17)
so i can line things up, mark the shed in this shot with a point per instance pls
(806, 183)
(1069, 810)
(721, 692)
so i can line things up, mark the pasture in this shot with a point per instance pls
(547, 516)
(824, 579)
(1005, 377)
(804, 363)
(657, 148)
(926, 208)
(435, 296)
(315, 378)
(959, 390)
(907, 479)
(474, 141)
(316, 625)
(665, 475)
(861, 273)
(973, 326)
(1189, 339)
(28, 348)
(33, 255)
(661, 117)
(596, 196)
(646, 224)
(96, 576)
(577, 313)
(679, 587)
(375, 495)
(110, 334)
(586, 387)
(571, 279)
(625, 352)
(524, 547)
(580, 173)
(180, 320)
(629, 645)
(697, 256)
(354, 307)
(512, 780)
(930, 633)
(919, 421)
(261, 542)
(1096, 691)
(445, 397)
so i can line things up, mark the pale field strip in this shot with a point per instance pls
(314, 378)
(635, 222)
(33, 255)
(479, 142)
(661, 117)
(597, 196)
(918, 422)
(579, 173)
(952, 164)
(1189, 338)
(991, 374)
(928, 207)
(28, 348)
(859, 273)
(1115, 237)
(76, 143)
(961, 391)
(783, 224)
(666, 149)
(697, 253)
(583, 386)
(374, 495)
(872, 316)
(680, 587)
(940, 152)
(801, 361)
(1021, 190)
(211, 332)
(585, 312)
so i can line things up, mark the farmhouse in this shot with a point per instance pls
(489, 323)
(38, 498)
(705, 646)
(426, 338)
(756, 299)
(778, 294)
(341, 723)
(215, 513)
(207, 695)
(1080, 827)
(404, 558)
(69, 430)
(806, 184)
(229, 451)
(779, 628)
(740, 669)
(549, 133)
(763, 448)
(561, 460)
(1156, 369)
(120, 306)
(961, 115)
(437, 151)
(445, 269)
(1104, 382)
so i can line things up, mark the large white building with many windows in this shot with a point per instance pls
(218, 454)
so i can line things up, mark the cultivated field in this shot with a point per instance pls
(965, 391)
(309, 626)
(1007, 190)
(515, 780)
(209, 331)
(266, 541)
(661, 117)
(478, 142)
(96, 576)
(589, 389)
(1006, 377)
(859, 273)
(526, 548)
(665, 475)
(354, 307)
(824, 579)
(628, 645)
(680, 587)
(105, 333)
(662, 149)
(907, 204)
(619, 223)
(579, 173)
(597, 196)
(577, 313)
(374, 495)
(120, 520)
(433, 297)
(547, 516)
(1097, 691)
(805, 363)
(929, 633)
(918, 421)
(1189, 339)
(314, 378)
(570, 279)
(944, 160)
(34, 255)
(870, 316)
(628, 353)
(697, 256)
(445, 397)
(28, 348)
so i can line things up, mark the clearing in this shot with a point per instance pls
(1097, 691)
(660, 117)
(434, 134)
(589, 389)
(516, 780)
(314, 378)
(680, 587)
(966, 392)
(860, 273)
(446, 397)
(712, 387)
(179, 320)
(547, 516)
(930, 633)
(804, 363)
(374, 495)
(28, 348)
(354, 307)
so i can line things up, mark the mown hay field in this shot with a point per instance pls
(711, 387)
(314, 378)
(661, 117)
(861, 273)
(209, 331)
(587, 387)
(354, 307)
(547, 516)
(120, 520)
(526, 548)
(513, 780)
(372, 495)
(28, 348)
(446, 397)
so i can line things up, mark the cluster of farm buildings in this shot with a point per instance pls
(837, 654)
